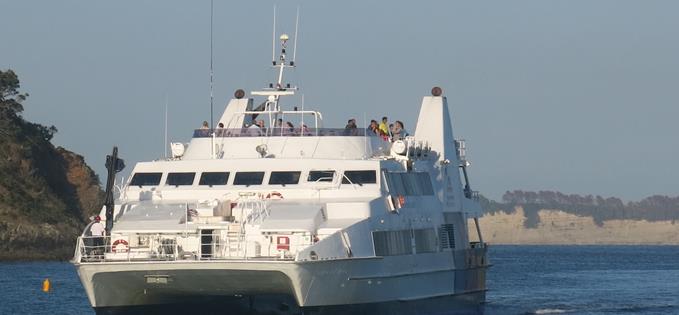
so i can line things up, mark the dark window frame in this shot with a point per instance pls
(321, 179)
(183, 182)
(274, 174)
(237, 179)
(203, 181)
(350, 179)
(145, 183)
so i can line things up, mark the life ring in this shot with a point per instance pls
(274, 194)
(119, 242)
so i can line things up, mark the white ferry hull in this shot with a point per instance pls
(322, 287)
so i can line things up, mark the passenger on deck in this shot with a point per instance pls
(205, 125)
(374, 127)
(384, 125)
(98, 232)
(351, 124)
(255, 130)
(399, 132)
(351, 129)
(289, 128)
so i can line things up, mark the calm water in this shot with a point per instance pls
(524, 280)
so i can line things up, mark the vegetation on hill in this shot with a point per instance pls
(653, 208)
(47, 193)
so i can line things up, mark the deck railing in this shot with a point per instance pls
(281, 132)
(230, 245)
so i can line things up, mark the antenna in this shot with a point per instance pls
(212, 98)
(165, 144)
(211, 63)
(273, 38)
(294, 48)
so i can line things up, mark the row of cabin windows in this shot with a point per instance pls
(393, 243)
(251, 178)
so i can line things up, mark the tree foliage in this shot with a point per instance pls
(10, 98)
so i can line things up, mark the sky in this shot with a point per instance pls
(576, 96)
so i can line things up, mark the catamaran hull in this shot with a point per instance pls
(321, 287)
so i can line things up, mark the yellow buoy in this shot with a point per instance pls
(46, 286)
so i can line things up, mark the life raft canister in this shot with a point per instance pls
(282, 243)
(120, 245)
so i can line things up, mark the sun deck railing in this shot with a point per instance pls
(282, 132)
(169, 247)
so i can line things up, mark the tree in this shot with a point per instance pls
(10, 98)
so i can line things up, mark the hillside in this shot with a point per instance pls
(548, 217)
(559, 227)
(46, 192)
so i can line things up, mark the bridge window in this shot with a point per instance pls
(359, 177)
(248, 178)
(320, 176)
(146, 179)
(284, 178)
(409, 184)
(213, 178)
(180, 179)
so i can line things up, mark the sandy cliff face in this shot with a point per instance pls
(558, 227)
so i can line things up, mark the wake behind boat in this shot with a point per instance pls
(291, 219)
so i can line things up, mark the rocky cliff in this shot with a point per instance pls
(559, 227)
(46, 192)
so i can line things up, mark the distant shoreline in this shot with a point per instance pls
(556, 227)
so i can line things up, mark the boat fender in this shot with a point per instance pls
(118, 242)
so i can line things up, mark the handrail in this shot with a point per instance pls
(281, 132)
(166, 247)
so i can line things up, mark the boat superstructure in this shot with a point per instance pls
(292, 219)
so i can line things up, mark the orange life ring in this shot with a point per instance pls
(274, 194)
(119, 242)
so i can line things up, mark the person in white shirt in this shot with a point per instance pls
(98, 232)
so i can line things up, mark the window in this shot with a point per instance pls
(248, 178)
(213, 178)
(395, 183)
(284, 178)
(409, 184)
(180, 179)
(425, 240)
(391, 243)
(425, 183)
(320, 176)
(146, 179)
(359, 177)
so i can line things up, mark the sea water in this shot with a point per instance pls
(594, 280)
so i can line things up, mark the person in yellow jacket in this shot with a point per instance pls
(384, 126)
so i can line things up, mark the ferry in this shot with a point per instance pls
(292, 218)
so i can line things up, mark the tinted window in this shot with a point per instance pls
(248, 178)
(214, 178)
(180, 179)
(411, 184)
(146, 179)
(320, 176)
(359, 177)
(284, 178)
(425, 183)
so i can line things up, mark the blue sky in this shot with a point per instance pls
(576, 96)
